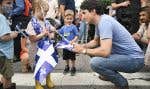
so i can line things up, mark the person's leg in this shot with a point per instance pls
(109, 67)
(72, 58)
(65, 57)
(7, 84)
(67, 68)
(147, 57)
(7, 73)
(72, 63)
(67, 62)
(73, 68)
(49, 82)
(24, 61)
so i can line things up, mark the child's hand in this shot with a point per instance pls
(53, 29)
(51, 35)
(45, 32)
(72, 42)
(14, 34)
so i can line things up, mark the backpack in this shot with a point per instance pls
(28, 7)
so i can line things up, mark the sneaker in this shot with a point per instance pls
(66, 70)
(73, 71)
(12, 86)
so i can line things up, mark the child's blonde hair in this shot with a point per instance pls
(40, 4)
(69, 12)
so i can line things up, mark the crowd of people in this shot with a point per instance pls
(120, 41)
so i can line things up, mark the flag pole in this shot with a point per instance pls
(62, 36)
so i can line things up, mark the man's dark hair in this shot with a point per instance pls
(90, 5)
(146, 9)
(1, 1)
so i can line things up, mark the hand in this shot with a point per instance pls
(125, 4)
(45, 32)
(72, 42)
(136, 36)
(51, 35)
(53, 29)
(77, 48)
(13, 34)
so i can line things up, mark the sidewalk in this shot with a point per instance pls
(82, 81)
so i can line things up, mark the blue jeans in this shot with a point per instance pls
(82, 31)
(111, 66)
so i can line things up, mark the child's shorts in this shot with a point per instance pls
(6, 67)
(68, 55)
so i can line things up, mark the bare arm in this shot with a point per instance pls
(144, 41)
(62, 10)
(136, 36)
(93, 43)
(24, 44)
(9, 36)
(35, 38)
(104, 50)
(74, 40)
(123, 4)
(148, 33)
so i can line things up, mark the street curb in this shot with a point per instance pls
(82, 81)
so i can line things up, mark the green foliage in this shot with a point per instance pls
(106, 2)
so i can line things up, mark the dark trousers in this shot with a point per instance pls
(24, 22)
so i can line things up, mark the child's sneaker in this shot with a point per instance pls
(12, 86)
(66, 70)
(73, 71)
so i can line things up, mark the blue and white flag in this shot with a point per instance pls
(47, 60)
(46, 57)
(64, 45)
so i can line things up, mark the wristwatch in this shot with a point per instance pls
(84, 51)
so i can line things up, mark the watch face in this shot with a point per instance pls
(84, 51)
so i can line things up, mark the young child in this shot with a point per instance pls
(6, 46)
(38, 33)
(70, 32)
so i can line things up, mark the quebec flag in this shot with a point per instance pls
(64, 45)
(46, 59)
